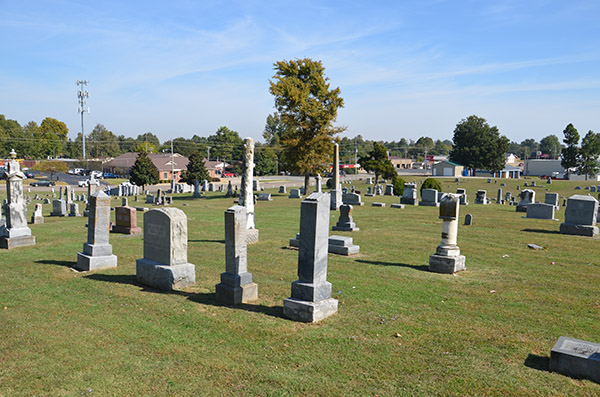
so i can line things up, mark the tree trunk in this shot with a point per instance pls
(306, 184)
(376, 178)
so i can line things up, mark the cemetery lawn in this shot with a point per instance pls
(400, 330)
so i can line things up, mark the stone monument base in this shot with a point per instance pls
(164, 277)
(230, 295)
(521, 208)
(428, 204)
(309, 312)
(36, 220)
(576, 358)
(446, 264)
(408, 201)
(126, 230)
(251, 236)
(580, 230)
(345, 227)
(14, 242)
(88, 262)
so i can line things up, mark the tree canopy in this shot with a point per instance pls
(196, 170)
(226, 145)
(568, 155)
(377, 161)
(308, 107)
(143, 172)
(477, 145)
(551, 145)
(587, 162)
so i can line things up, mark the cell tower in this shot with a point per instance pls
(82, 96)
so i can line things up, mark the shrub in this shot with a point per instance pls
(399, 186)
(431, 183)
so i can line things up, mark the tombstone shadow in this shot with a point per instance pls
(207, 241)
(541, 363)
(540, 231)
(114, 278)
(58, 263)
(424, 268)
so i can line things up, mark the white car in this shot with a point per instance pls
(87, 182)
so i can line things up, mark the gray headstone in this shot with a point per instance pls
(295, 193)
(282, 189)
(264, 197)
(429, 198)
(541, 211)
(389, 189)
(480, 197)
(37, 217)
(576, 358)
(345, 221)
(352, 199)
(59, 208)
(409, 196)
(468, 219)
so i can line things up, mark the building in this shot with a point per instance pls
(541, 167)
(401, 163)
(447, 168)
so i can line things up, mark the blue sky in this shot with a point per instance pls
(405, 68)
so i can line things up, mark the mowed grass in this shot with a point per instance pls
(400, 330)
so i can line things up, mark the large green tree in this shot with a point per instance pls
(102, 143)
(274, 130)
(551, 145)
(226, 145)
(266, 160)
(143, 172)
(477, 145)
(587, 162)
(54, 135)
(308, 106)
(196, 170)
(569, 154)
(377, 161)
(8, 130)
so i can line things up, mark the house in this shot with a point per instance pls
(401, 163)
(447, 168)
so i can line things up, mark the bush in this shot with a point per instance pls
(431, 183)
(399, 186)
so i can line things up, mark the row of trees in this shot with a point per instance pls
(584, 158)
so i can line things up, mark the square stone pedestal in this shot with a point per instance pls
(446, 264)
(309, 312)
(230, 295)
(164, 277)
(579, 230)
(88, 262)
(14, 242)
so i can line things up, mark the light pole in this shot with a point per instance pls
(82, 96)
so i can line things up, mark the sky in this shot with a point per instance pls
(405, 69)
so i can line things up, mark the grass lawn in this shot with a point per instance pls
(400, 330)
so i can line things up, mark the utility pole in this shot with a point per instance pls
(82, 96)
(172, 170)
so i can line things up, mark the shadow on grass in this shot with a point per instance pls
(541, 231)
(207, 241)
(200, 297)
(424, 268)
(541, 363)
(59, 263)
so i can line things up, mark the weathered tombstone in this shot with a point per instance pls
(480, 197)
(318, 183)
(236, 283)
(352, 199)
(205, 185)
(429, 198)
(409, 196)
(447, 258)
(378, 190)
(282, 189)
(229, 190)
(165, 264)
(246, 195)
(508, 197)
(549, 181)
(310, 299)
(74, 209)
(527, 197)
(126, 221)
(336, 192)
(345, 222)
(15, 232)
(124, 202)
(463, 196)
(580, 216)
(68, 194)
(150, 199)
(37, 217)
(552, 198)
(295, 193)
(389, 189)
(255, 182)
(197, 193)
(499, 197)
(541, 211)
(264, 197)
(59, 208)
(489, 180)
(211, 187)
(576, 358)
(97, 252)
(468, 220)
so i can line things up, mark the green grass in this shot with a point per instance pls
(400, 330)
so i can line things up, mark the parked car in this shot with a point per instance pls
(108, 175)
(229, 175)
(29, 174)
(96, 174)
(86, 182)
(42, 183)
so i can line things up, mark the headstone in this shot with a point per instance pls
(480, 197)
(369, 180)
(74, 209)
(59, 208)
(389, 189)
(580, 216)
(499, 197)
(518, 187)
(197, 193)
(525, 184)
(124, 202)
(399, 206)
(97, 252)
(533, 183)
(489, 180)
(264, 197)
(236, 283)
(409, 196)
(541, 211)
(577, 187)
(211, 187)
(352, 199)
(552, 199)
(345, 222)
(255, 182)
(149, 199)
(46, 201)
(126, 221)
(37, 217)
(527, 197)
(549, 181)
(318, 183)
(576, 358)
(508, 197)
(463, 196)
(295, 193)
(282, 189)
(429, 198)
(342, 245)
(447, 258)
(592, 189)
(468, 220)
(311, 300)
(229, 190)
(165, 264)
(15, 232)
(378, 190)
(377, 204)
(205, 185)
(336, 192)
(246, 195)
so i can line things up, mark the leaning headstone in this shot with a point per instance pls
(527, 197)
(429, 198)
(541, 211)
(74, 209)
(389, 189)
(126, 221)
(580, 216)
(246, 195)
(15, 232)
(295, 193)
(576, 358)
(447, 258)
(264, 197)
(409, 196)
(165, 264)
(282, 189)
(352, 199)
(236, 283)
(336, 191)
(345, 222)
(37, 217)
(480, 197)
(468, 220)
(311, 300)
(97, 252)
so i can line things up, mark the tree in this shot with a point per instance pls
(102, 143)
(274, 130)
(568, 156)
(226, 145)
(54, 135)
(551, 145)
(266, 160)
(528, 148)
(196, 170)
(477, 145)
(308, 107)
(143, 172)
(8, 130)
(376, 161)
(587, 163)
(51, 166)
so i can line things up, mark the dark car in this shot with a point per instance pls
(42, 183)
(29, 174)
(108, 175)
